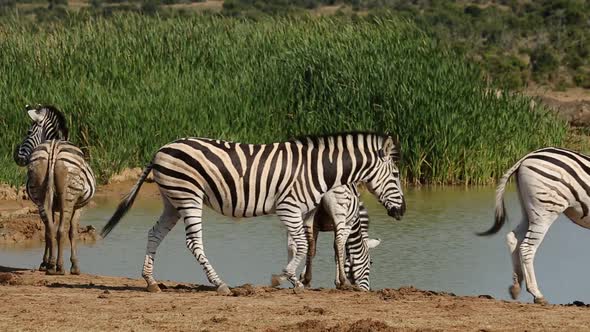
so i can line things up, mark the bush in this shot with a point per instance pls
(544, 60)
(582, 79)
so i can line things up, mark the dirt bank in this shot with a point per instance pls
(19, 218)
(573, 105)
(33, 301)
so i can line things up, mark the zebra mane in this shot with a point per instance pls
(318, 138)
(61, 120)
(337, 134)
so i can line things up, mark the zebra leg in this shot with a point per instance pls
(45, 262)
(341, 236)
(157, 233)
(312, 239)
(75, 269)
(275, 280)
(294, 223)
(49, 223)
(65, 219)
(194, 242)
(514, 240)
(538, 227)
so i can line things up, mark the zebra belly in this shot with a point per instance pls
(240, 211)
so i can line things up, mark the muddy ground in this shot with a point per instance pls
(32, 301)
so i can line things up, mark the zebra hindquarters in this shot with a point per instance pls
(42, 195)
(69, 187)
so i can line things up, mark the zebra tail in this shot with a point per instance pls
(500, 215)
(50, 185)
(125, 203)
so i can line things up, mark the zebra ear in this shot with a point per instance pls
(37, 114)
(372, 243)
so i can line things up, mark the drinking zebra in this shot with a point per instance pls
(358, 260)
(549, 181)
(58, 180)
(247, 180)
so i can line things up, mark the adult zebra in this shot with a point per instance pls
(58, 180)
(246, 180)
(549, 181)
(343, 203)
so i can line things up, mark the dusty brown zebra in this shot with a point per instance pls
(58, 180)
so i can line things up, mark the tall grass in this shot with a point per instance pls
(130, 84)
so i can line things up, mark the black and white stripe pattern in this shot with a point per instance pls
(48, 124)
(58, 180)
(246, 180)
(357, 265)
(343, 202)
(550, 181)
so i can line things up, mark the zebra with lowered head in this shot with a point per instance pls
(343, 203)
(58, 180)
(247, 180)
(550, 181)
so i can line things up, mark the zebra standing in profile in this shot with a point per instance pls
(550, 181)
(58, 180)
(338, 203)
(247, 180)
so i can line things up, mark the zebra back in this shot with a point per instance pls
(61, 157)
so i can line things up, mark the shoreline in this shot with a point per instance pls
(95, 302)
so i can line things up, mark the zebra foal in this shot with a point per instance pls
(58, 180)
(343, 202)
(550, 181)
(247, 180)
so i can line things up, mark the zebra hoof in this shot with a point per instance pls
(345, 286)
(51, 271)
(541, 300)
(43, 267)
(75, 271)
(223, 290)
(298, 289)
(153, 288)
(357, 288)
(514, 291)
(276, 279)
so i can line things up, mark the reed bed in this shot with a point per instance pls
(129, 84)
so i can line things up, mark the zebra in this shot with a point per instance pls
(358, 260)
(58, 180)
(248, 180)
(550, 181)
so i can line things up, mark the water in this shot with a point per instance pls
(433, 247)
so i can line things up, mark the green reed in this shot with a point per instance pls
(130, 84)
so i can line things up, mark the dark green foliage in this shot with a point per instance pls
(132, 83)
(544, 60)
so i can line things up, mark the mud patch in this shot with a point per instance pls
(409, 292)
(362, 325)
(7, 278)
(307, 310)
(250, 290)
(12, 193)
(129, 174)
(25, 225)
